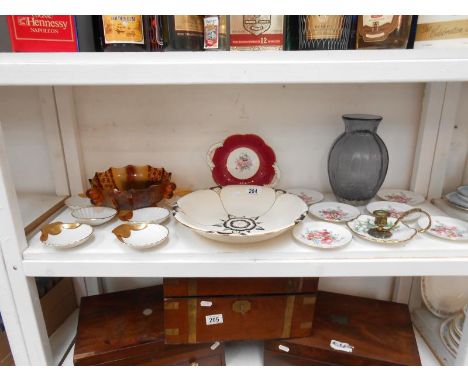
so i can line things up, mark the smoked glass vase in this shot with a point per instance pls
(358, 160)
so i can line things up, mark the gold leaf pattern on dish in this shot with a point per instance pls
(125, 230)
(55, 229)
(125, 215)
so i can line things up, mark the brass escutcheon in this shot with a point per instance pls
(241, 306)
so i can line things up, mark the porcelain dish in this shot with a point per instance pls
(394, 209)
(243, 159)
(307, 195)
(400, 234)
(141, 235)
(75, 202)
(65, 235)
(155, 215)
(449, 344)
(446, 228)
(457, 200)
(463, 191)
(240, 214)
(401, 196)
(322, 235)
(444, 296)
(94, 215)
(334, 212)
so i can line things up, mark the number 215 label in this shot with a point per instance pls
(214, 319)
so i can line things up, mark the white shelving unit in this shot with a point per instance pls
(80, 93)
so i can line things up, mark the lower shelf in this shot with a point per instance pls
(62, 339)
(250, 353)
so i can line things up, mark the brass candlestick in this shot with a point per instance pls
(381, 231)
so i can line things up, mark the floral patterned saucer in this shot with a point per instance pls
(400, 234)
(307, 195)
(334, 212)
(401, 196)
(322, 235)
(446, 228)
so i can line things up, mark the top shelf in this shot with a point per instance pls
(183, 68)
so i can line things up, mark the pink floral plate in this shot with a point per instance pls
(322, 235)
(401, 196)
(334, 212)
(307, 195)
(447, 228)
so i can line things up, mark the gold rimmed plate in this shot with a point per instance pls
(141, 235)
(65, 235)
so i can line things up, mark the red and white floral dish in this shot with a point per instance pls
(243, 159)
(322, 235)
(401, 196)
(447, 228)
(334, 212)
(307, 195)
(394, 209)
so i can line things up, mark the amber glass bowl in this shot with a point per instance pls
(130, 187)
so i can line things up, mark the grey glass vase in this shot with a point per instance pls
(358, 160)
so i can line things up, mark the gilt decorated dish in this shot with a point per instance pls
(240, 213)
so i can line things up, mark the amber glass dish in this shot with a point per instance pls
(130, 187)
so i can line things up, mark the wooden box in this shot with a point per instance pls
(206, 310)
(350, 331)
(126, 328)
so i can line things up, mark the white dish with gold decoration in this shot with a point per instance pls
(240, 213)
(401, 233)
(155, 215)
(307, 195)
(444, 296)
(65, 235)
(334, 212)
(94, 215)
(78, 201)
(141, 235)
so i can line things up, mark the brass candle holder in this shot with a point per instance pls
(381, 229)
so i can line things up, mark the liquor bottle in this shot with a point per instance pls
(122, 33)
(216, 35)
(322, 32)
(291, 32)
(383, 32)
(435, 32)
(256, 32)
(184, 32)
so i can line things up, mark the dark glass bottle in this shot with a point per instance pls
(358, 160)
(383, 32)
(291, 32)
(322, 32)
(122, 33)
(184, 32)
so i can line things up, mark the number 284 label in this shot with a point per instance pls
(214, 319)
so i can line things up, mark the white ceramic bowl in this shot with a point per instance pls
(94, 215)
(65, 235)
(141, 235)
(154, 215)
(76, 202)
(240, 214)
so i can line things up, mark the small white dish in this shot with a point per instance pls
(322, 235)
(400, 234)
(444, 296)
(76, 202)
(400, 196)
(447, 228)
(141, 235)
(334, 212)
(94, 215)
(463, 191)
(457, 200)
(394, 209)
(307, 195)
(155, 215)
(65, 235)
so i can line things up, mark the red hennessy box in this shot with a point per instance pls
(126, 328)
(219, 309)
(350, 331)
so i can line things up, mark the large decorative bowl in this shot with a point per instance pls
(239, 213)
(130, 187)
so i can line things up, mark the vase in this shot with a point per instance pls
(358, 160)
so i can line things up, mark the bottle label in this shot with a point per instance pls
(324, 27)
(191, 24)
(123, 29)
(211, 40)
(253, 32)
(377, 27)
(42, 33)
(441, 30)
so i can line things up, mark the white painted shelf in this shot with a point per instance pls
(37, 207)
(62, 339)
(351, 66)
(187, 254)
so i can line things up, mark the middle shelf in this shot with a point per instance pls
(186, 254)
